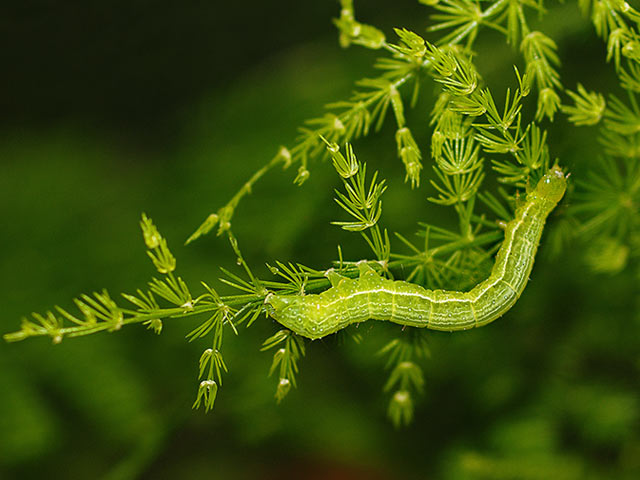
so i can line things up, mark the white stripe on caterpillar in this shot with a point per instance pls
(374, 297)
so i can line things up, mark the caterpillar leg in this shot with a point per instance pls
(365, 269)
(334, 277)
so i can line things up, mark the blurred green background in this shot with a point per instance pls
(109, 109)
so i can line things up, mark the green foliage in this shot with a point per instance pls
(588, 109)
(285, 360)
(406, 378)
(480, 134)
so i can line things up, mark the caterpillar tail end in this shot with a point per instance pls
(552, 186)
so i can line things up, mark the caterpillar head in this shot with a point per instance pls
(285, 310)
(552, 185)
(296, 314)
(274, 304)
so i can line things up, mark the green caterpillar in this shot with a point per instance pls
(374, 297)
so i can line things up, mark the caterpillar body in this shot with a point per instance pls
(371, 296)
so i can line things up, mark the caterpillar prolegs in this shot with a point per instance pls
(371, 296)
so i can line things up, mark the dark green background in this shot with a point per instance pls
(109, 109)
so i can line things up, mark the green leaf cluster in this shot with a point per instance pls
(487, 147)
